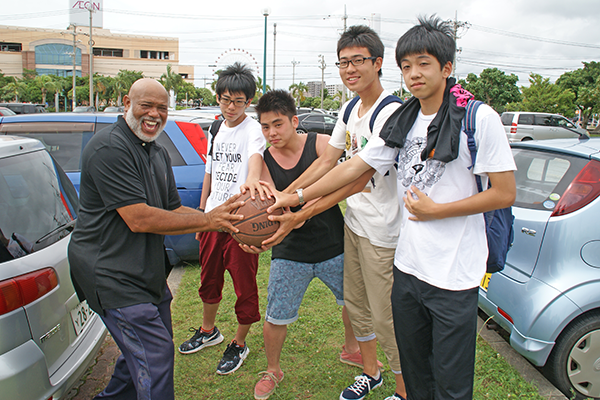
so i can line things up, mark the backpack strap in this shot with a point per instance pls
(389, 99)
(349, 108)
(469, 127)
(214, 129)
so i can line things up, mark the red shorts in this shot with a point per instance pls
(219, 252)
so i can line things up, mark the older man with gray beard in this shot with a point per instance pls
(128, 201)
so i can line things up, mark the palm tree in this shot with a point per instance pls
(299, 91)
(259, 88)
(16, 88)
(171, 81)
(45, 84)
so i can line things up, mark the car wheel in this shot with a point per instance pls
(525, 139)
(300, 131)
(574, 363)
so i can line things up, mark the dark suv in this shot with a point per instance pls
(25, 108)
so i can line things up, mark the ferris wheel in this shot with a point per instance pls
(230, 56)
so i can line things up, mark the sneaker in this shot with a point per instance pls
(395, 396)
(200, 340)
(355, 359)
(361, 387)
(233, 358)
(266, 385)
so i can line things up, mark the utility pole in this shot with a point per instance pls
(345, 18)
(274, 50)
(322, 67)
(456, 25)
(74, 58)
(91, 43)
(294, 63)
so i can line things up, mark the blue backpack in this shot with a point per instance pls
(389, 99)
(498, 223)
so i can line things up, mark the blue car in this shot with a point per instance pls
(65, 135)
(548, 295)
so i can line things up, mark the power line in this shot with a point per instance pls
(535, 38)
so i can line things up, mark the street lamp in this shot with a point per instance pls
(265, 12)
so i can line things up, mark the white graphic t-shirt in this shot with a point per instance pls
(228, 165)
(449, 253)
(374, 213)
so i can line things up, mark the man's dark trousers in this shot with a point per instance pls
(436, 331)
(144, 334)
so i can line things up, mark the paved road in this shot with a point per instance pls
(100, 371)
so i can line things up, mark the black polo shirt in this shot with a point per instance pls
(112, 266)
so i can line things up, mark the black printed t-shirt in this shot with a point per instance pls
(111, 266)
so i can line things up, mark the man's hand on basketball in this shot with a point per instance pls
(282, 200)
(220, 218)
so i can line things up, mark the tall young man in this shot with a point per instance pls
(234, 160)
(442, 250)
(372, 218)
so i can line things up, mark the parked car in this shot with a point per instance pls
(316, 122)
(118, 109)
(66, 134)
(47, 337)
(520, 126)
(81, 109)
(6, 111)
(25, 108)
(548, 295)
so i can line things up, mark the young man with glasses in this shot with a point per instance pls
(234, 162)
(372, 221)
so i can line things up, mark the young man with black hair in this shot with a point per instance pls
(442, 250)
(292, 266)
(234, 163)
(372, 220)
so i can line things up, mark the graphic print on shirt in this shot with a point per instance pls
(414, 172)
(226, 164)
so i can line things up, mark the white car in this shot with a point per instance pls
(521, 126)
(47, 336)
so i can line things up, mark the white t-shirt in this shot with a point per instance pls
(228, 165)
(374, 213)
(449, 253)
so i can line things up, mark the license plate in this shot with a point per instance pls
(80, 315)
(485, 281)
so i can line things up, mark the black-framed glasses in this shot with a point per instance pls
(227, 101)
(355, 61)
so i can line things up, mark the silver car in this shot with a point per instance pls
(548, 295)
(47, 337)
(522, 126)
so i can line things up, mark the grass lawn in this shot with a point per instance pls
(310, 354)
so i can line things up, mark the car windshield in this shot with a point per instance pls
(35, 209)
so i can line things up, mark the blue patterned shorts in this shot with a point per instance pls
(288, 281)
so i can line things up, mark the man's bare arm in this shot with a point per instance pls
(323, 164)
(142, 218)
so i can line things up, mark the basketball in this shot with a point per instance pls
(255, 227)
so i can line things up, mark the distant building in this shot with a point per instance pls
(333, 89)
(314, 89)
(49, 51)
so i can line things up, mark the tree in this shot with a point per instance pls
(299, 91)
(544, 96)
(15, 90)
(206, 97)
(583, 83)
(494, 88)
(123, 82)
(171, 81)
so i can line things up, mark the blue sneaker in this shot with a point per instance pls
(361, 387)
(395, 396)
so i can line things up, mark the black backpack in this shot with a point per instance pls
(214, 129)
(498, 223)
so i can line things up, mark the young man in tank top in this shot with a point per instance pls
(292, 265)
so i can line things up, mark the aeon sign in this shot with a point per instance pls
(80, 14)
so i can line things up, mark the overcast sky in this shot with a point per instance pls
(547, 37)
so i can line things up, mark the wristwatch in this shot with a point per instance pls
(300, 196)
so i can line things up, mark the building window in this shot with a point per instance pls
(156, 55)
(184, 76)
(58, 72)
(56, 54)
(98, 51)
(4, 46)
